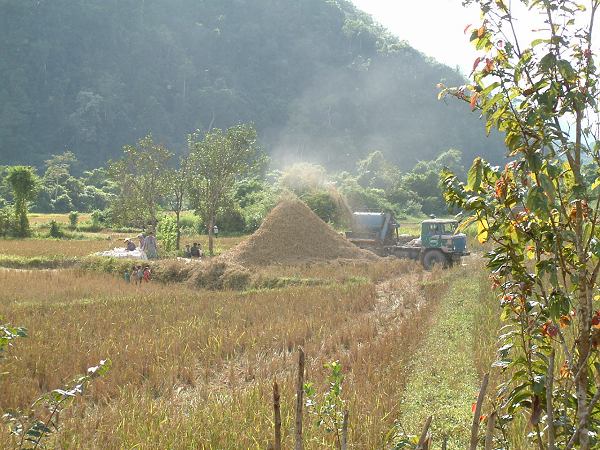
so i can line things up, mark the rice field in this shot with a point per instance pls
(194, 369)
(54, 247)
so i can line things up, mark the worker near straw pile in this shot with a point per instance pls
(129, 245)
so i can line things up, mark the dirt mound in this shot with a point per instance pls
(292, 234)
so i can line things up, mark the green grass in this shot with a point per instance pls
(444, 381)
(37, 262)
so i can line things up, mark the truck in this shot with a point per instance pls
(439, 243)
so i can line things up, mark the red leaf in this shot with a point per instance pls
(473, 101)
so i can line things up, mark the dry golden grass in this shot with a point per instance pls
(221, 243)
(38, 218)
(54, 248)
(193, 369)
(96, 243)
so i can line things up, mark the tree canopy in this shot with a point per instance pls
(321, 81)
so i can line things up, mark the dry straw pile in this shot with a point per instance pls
(291, 235)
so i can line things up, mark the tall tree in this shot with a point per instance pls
(217, 160)
(23, 182)
(541, 213)
(140, 176)
(58, 170)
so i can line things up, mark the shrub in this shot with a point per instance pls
(6, 223)
(55, 231)
(166, 232)
(73, 219)
(231, 221)
(324, 205)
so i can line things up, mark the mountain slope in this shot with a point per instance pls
(319, 79)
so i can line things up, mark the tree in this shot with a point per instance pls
(140, 177)
(541, 213)
(217, 161)
(23, 182)
(177, 185)
(376, 172)
(58, 170)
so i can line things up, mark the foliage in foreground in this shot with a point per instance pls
(541, 211)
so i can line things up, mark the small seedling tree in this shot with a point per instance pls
(73, 219)
(330, 409)
(167, 232)
(541, 213)
(217, 160)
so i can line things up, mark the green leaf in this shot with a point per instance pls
(548, 186)
(538, 202)
(475, 175)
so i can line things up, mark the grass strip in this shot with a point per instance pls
(443, 381)
(37, 262)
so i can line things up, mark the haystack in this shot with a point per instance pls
(292, 234)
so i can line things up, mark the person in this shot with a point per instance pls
(187, 253)
(147, 274)
(140, 274)
(129, 245)
(142, 238)
(195, 251)
(216, 230)
(200, 252)
(150, 246)
(127, 276)
(133, 275)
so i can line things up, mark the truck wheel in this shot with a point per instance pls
(434, 258)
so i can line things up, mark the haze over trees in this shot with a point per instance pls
(320, 81)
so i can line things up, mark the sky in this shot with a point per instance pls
(435, 27)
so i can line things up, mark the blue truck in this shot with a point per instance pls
(439, 243)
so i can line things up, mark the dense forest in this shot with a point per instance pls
(320, 80)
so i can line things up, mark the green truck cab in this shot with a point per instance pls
(439, 243)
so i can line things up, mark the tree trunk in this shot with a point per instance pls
(582, 379)
(585, 304)
(211, 224)
(178, 241)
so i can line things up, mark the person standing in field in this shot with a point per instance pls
(142, 239)
(150, 246)
(127, 276)
(147, 274)
(139, 274)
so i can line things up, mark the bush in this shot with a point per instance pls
(6, 223)
(231, 221)
(96, 223)
(324, 205)
(166, 233)
(73, 219)
(55, 231)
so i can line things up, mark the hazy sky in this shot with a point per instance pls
(435, 27)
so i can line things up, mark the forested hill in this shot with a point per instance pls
(320, 80)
